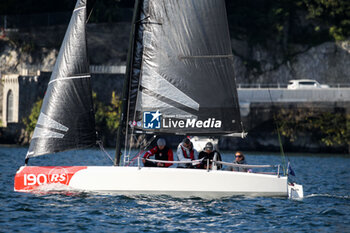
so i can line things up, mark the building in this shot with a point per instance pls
(20, 92)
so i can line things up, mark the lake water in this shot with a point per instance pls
(325, 208)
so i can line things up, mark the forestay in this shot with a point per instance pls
(66, 118)
(182, 79)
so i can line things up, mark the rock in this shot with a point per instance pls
(328, 63)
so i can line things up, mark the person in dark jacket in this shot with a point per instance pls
(160, 152)
(210, 154)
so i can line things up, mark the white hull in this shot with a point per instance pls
(173, 181)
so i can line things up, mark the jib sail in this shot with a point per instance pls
(182, 78)
(66, 119)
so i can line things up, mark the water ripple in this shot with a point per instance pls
(327, 195)
(325, 207)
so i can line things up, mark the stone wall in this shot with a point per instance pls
(328, 63)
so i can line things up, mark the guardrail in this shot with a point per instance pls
(284, 95)
(196, 162)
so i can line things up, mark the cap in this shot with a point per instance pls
(186, 141)
(209, 146)
(161, 142)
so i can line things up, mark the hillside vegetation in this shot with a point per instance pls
(287, 21)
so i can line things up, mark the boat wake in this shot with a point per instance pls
(327, 195)
(57, 188)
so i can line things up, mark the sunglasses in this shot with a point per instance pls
(239, 156)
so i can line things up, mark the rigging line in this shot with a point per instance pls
(132, 136)
(135, 157)
(129, 75)
(127, 118)
(279, 137)
(103, 149)
(125, 141)
(126, 88)
(127, 126)
(88, 17)
(128, 112)
(134, 114)
(140, 20)
(143, 150)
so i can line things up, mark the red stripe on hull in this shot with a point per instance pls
(30, 178)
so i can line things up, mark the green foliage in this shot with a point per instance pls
(30, 121)
(337, 33)
(306, 22)
(107, 116)
(113, 113)
(330, 128)
(334, 14)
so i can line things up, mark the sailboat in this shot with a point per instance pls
(179, 81)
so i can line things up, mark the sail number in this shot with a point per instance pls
(32, 179)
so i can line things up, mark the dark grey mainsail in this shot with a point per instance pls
(181, 76)
(66, 119)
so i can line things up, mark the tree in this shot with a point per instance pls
(329, 128)
(30, 121)
(335, 15)
(107, 116)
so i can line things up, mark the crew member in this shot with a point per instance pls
(160, 152)
(240, 159)
(186, 152)
(210, 154)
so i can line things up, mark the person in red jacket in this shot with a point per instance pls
(160, 152)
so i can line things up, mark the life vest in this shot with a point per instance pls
(185, 153)
(161, 154)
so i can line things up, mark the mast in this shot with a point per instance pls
(126, 86)
(179, 77)
(182, 79)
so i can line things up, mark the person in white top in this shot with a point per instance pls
(186, 152)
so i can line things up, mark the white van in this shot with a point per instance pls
(305, 84)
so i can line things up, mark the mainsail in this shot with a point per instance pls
(181, 76)
(66, 119)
